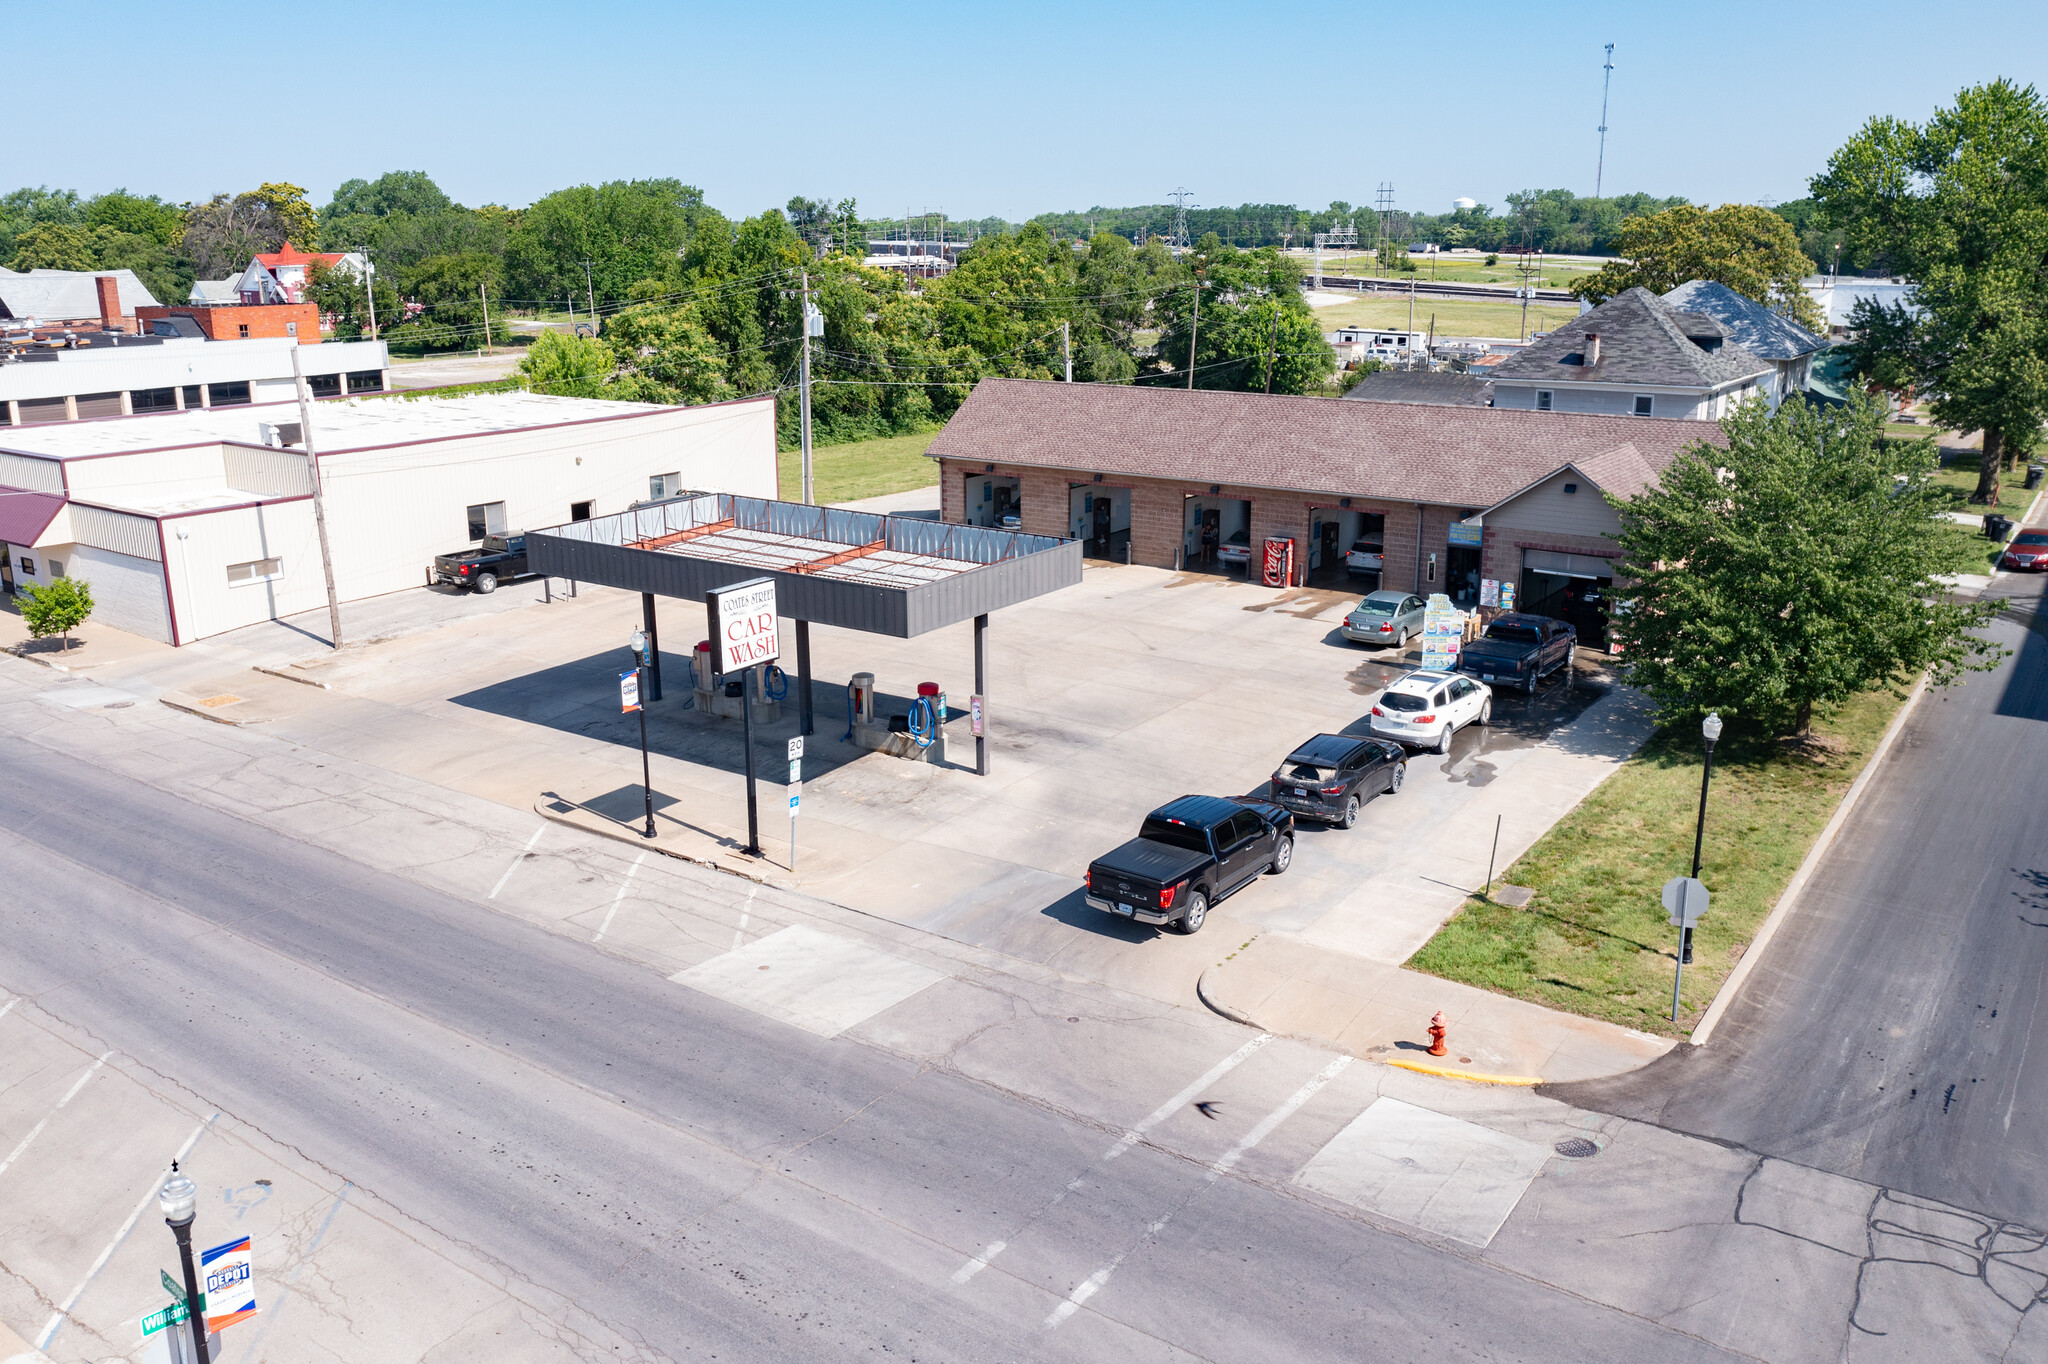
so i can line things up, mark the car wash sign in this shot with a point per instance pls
(744, 631)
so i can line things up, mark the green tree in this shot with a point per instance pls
(56, 246)
(224, 234)
(667, 355)
(1959, 206)
(1750, 249)
(295, 216)
(453, 293)
(392, 192)
(339, 293)
(1232, 336)
(629, 230)
(1778, 577)
(566, 366)
(56, 608)
(144, 217)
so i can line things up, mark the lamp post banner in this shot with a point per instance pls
(226, 1282)
(629, 691)
(744, 630)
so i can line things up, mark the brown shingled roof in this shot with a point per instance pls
(1447, 456)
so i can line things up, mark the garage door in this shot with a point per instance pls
(1568, 565)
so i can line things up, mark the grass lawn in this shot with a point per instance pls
(1454, 316)
(1455, 269)
(1596, 939)
(863, 468)
(1959, 478)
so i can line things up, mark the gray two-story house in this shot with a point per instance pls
(1634, 355)
(1767, 335)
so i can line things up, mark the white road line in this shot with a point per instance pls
(979, 1262)
(57, 1317)
(739, 938)
(516, 861)
(37, 1130)
(1091, 1285)
(1278, 1116)
(1187, 1096)
(8, 1005)
(606, 925)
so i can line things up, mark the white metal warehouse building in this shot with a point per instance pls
(190, 524)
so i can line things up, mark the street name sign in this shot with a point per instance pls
(169, 1316)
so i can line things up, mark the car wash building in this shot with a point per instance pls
(1308, 491)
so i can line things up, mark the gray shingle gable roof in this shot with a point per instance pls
(1423, 386)
(1749, 323)
(60, 295)
(1640, 343)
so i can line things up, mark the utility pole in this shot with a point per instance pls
(1194, 330)
(370, 289)
(1067, 346)
(590, 294)
(1273, 347)
(319, 496)
(1600, 170)
(487, 315)
(805, 400)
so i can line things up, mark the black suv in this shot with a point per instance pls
(1331, 775)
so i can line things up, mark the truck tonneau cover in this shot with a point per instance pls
(1158, 863)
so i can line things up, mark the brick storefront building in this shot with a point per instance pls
(1166, 477)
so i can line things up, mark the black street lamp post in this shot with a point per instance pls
(179, 1198)
(640, 643)
(1710, 730)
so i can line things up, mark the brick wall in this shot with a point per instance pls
(1159, 511)
(226, 323)
(1501, 556)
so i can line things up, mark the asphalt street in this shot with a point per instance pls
(1896, 1031)
(709, 1183)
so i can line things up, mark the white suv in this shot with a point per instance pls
(1424, 709)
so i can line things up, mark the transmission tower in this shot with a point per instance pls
(1180, 199)
(1383, 201)
(1600, 170)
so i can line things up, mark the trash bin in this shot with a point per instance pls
(1997, 527)
(2034, 472)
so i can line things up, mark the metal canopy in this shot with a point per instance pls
(888, 575)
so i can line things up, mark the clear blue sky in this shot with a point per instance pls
(996, 109)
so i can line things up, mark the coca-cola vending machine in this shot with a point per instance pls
(1279, 564)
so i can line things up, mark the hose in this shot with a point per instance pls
(774, 683)
(849, 717)
(924, 721)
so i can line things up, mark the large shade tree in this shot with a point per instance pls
(1777, 577)
(1959, 206)
(1750, 249)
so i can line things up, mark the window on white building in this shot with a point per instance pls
(486, 518)
(56, 567)
(1644, 402)
(255, 571)
(1543, 398)
(663, 485)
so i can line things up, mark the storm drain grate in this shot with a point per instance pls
(1576, 1148)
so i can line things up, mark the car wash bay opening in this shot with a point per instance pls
(885, 575)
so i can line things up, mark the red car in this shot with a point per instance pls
(2029, 549)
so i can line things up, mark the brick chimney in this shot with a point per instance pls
(1592, 351)
(110, 300)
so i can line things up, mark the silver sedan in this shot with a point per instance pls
(1385, 618)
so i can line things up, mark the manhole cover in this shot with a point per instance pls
(1576, 1148)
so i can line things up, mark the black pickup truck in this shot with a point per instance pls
(498, 558)
(1188, 855)
(1519, 649)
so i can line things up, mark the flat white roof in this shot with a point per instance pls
(338, 424)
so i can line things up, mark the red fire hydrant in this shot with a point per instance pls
(1436, 1035)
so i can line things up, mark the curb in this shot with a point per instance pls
(636, 840)
(291, 677)
(1472, 1075)
(205, 714)
(1790, 899)
(28, 657)
(1202, 993)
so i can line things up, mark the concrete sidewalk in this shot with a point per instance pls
(1281, 983)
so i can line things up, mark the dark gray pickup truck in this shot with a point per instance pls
(1188, 855)
(1518, 650)
(497, 559)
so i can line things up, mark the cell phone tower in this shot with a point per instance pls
(1606, 80)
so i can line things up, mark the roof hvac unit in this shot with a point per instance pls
(281, 434)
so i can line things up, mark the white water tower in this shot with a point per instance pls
(1459, 205)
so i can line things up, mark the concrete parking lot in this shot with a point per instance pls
(1104, 701)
